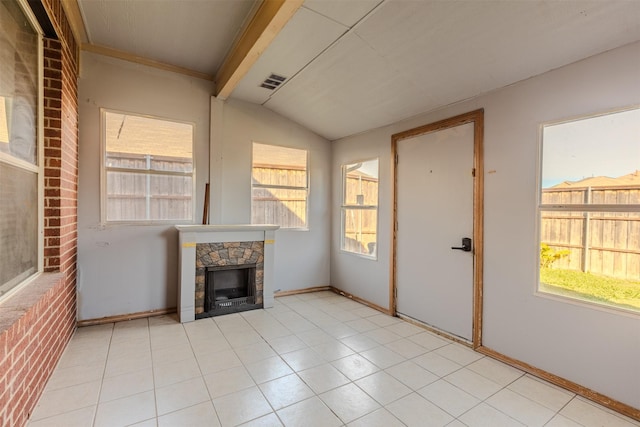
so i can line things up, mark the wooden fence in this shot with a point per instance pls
(606, 243)
(289, 206)
(360, 225)
(149, 191)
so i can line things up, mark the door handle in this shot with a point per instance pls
(466, 245)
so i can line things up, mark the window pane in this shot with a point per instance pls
(284, 207)
(18, 84)
(274, 167)
(593, 256)
(587, 253)
(593, 160)
(18, 225)
(361, 185)
(159, 154)
(134, 196)
(360, 227)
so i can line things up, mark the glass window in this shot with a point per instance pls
(279, 186)
(360, 208)
(590, 210)
(19, 166)
(148, 169)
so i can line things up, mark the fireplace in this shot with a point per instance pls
(224, 269)
(229, 289)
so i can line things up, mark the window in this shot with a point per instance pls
(279, 186)
(148, 169)
(590, 210)
(360, 208)
(20, 136)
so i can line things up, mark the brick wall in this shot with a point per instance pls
(37, 323)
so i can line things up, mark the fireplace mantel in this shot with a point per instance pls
(191, 235)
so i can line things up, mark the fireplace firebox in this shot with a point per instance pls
(229, 289)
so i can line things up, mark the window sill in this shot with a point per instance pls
(19, 302)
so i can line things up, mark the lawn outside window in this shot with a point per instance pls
(359, 208)
(147, 169)
(279, 186)
(589, 210)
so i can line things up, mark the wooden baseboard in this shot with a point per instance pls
(435, 331)
(302, 291)
(361, 301)
(124, 317)
(337, 291)
(598, 398)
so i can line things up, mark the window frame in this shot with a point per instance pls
(344, 207)
(306, 188)
(568, 207)
(104, 169)
(38, 168)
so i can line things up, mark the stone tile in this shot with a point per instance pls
(349, 402)
(413, 410)
(202, 414)
(181, 395)
(355, 367)
(240, 407)
(285, 391)
(309, 413)
(127, 410)
(383, 387)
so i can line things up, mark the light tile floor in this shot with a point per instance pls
(315, 359)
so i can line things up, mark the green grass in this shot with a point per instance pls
(591, 287)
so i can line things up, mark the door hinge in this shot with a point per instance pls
(396, 159)
(473, 172)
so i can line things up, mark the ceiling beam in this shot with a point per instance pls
(268, 21)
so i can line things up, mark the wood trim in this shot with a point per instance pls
(361, 301)
(335, 290)
(435, 331)
(74, 16)
(478, 225)
(599, 398)
(477, 118)
(393, 293)
(302, 291)
(262, 29)
(127, 56)
(124, 317)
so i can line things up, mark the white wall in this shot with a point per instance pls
(597, 348)
(302, 257)
(352, 273)
(128, 269)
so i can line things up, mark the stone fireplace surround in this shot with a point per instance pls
(193, 237)
(224, 255)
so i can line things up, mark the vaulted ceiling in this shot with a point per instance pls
(354, 65)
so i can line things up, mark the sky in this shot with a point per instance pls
(607, 145)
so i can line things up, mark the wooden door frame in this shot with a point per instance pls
(477, 118)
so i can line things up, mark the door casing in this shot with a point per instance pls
(477, 118)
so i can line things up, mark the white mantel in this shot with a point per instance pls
(190, 235)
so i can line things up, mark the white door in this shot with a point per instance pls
(434, 282)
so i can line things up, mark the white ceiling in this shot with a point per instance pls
(361, 64)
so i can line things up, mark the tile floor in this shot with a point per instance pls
(314, 359)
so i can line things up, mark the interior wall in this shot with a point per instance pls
(594, 347)
(362, 276)
(126, 269)
(301, 257)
